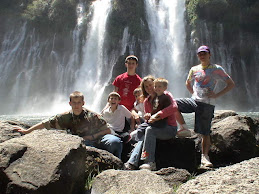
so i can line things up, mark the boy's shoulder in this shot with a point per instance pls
(125, 75)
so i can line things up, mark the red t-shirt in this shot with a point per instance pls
(127, 84)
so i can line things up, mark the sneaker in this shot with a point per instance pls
(128, 166)
(184, 133)
(148, 166)
(205, 161)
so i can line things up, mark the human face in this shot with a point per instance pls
(139, 97)
(159, 88)
(77, 104)
(149, 87)
(204, 56)
(113, 101)
(131, 65)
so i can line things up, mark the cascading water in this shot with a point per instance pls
(166, 23)
(94, 73)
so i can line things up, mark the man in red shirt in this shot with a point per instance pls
(127, 82)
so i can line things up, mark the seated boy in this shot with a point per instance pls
(115, 115)
(160, 102)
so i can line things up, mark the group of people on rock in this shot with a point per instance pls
(143, 110)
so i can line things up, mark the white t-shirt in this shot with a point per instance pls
(140, 108)
(116, 119)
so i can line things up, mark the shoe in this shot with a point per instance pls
(128, 166)
(184, 133)
(205, 161)
(148, 166)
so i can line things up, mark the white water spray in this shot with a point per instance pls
(90, 79)
(166, 23)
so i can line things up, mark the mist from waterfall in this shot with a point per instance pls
(90, 78)
(167, 27)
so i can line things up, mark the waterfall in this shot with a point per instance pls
(166, 23)
(94, 73)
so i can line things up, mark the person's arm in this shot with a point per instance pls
(97, 135)
(25, 131)
(116, 89)
(168, 110)
(189, 86)
(230, 84)
(135, 115)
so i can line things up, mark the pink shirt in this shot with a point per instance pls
(166, 112)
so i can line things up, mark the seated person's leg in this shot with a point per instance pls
(112, 144)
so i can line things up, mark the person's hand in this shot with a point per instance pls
(21, 130)
(147, 116)
(212, 95)
(154, 118)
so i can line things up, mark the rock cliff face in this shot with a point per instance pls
(42, 39)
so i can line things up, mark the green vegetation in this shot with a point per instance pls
(233, 14)
(60, 15)
(129, 14)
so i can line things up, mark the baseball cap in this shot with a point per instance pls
(203, 49)
(131, 57)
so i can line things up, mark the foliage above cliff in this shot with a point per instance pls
(59, 15)
(129, 14)
(235, 14)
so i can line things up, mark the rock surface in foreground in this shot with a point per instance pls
(42, 162)
(129, 182)
(238, 178)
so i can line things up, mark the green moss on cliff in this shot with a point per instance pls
(233, 14)
(129, 14)
(60, 15)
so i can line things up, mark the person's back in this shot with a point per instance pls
(127, 82)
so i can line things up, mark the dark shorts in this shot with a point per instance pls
(203, 113)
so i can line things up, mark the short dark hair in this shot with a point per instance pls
(76, 94)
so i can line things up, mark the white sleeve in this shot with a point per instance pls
(127, 113)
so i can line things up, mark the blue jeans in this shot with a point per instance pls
(153, 133)
(112, 144)
(136, 153)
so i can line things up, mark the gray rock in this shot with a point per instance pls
(129, 182)
(232, 141)
(6, 132)
(42, 162)
(221, 114)
(238, 178)
(173, 176)
(98, 160)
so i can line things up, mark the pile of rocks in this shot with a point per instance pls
(55, 162)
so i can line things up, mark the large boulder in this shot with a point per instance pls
(6, 132)
(98, 160)
(42, 162)
(129, 182)
(238, 178)
(232, 141)
(177, 152)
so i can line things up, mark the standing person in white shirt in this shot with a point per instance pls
(201, 83)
